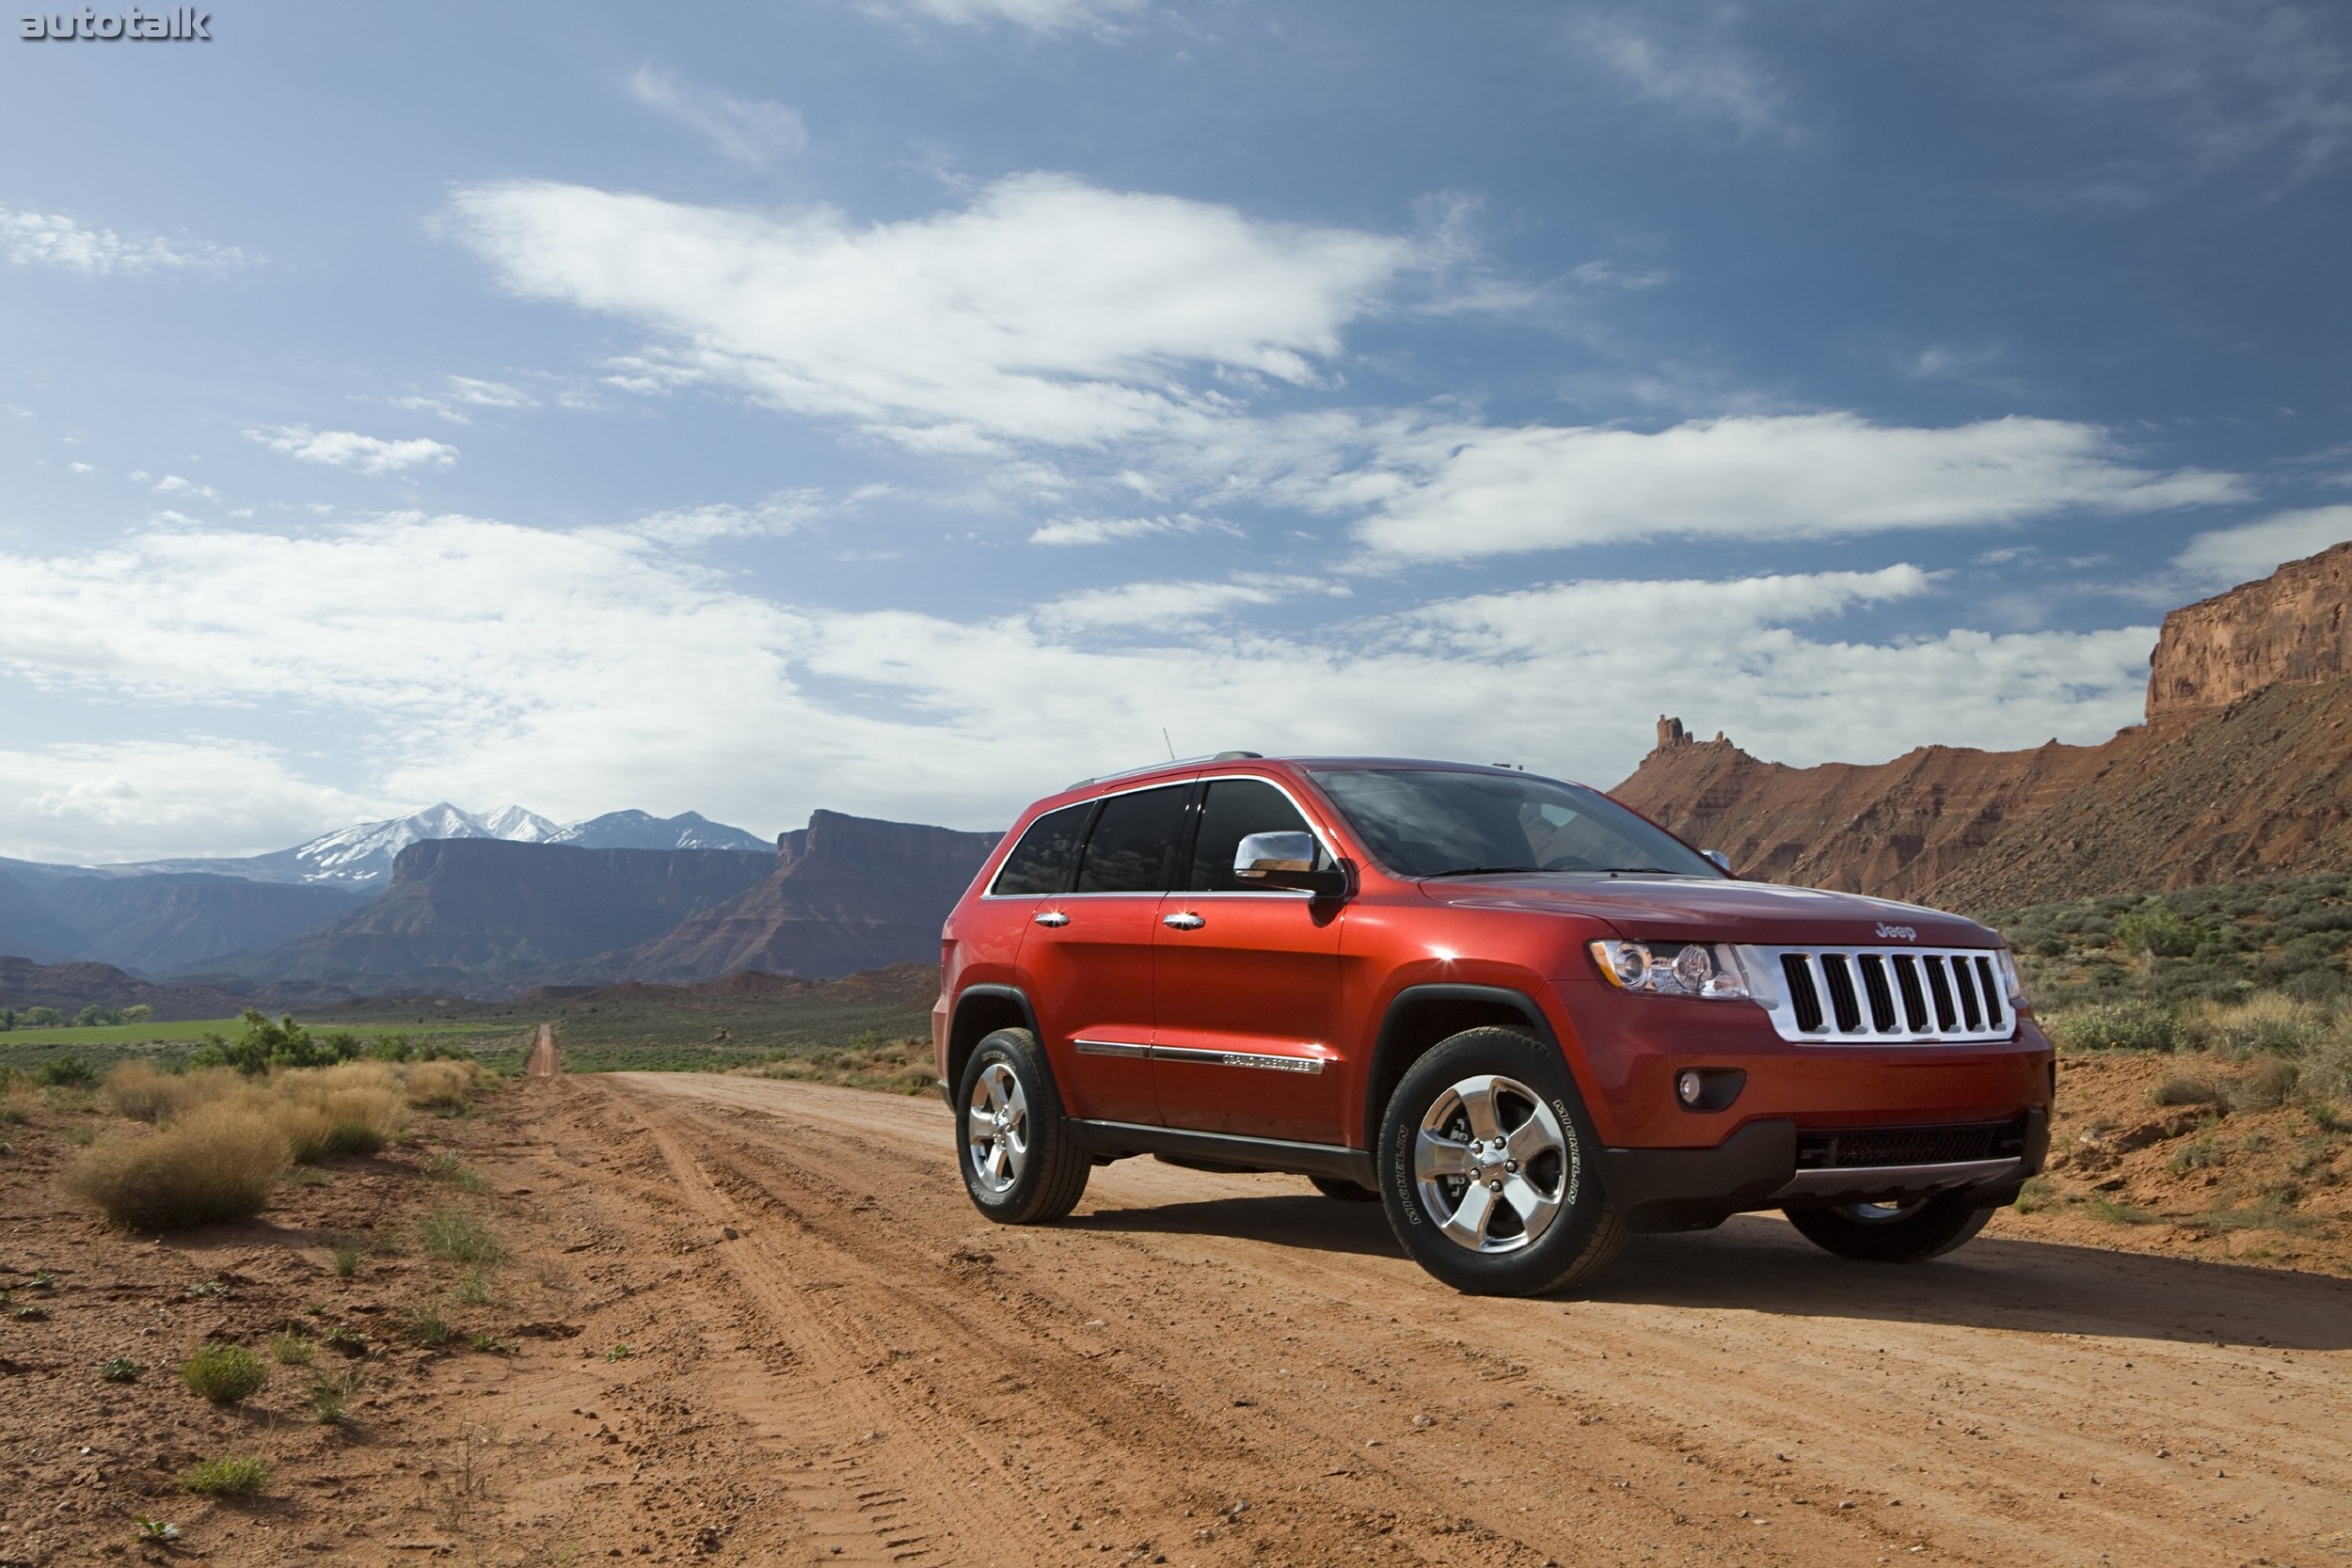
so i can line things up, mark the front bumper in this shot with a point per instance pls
(1771, 1164)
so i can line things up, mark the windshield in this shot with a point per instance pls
(1426, 822)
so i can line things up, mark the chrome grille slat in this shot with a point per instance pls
(1864, 996)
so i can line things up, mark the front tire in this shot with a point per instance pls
(1013, 1145)
(1488, 1168)
(1891, 1233)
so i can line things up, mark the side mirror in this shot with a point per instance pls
(1722, 861)
(1286, 861)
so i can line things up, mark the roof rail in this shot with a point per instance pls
(1172, 762)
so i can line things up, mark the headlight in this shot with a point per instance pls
(2011, 980)
(1672, 969)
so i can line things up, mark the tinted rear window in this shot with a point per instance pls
(1041, 863)
(1133, 842)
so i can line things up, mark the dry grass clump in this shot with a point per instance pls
(145, 1092)
(17, 1097)
(893, 1067)
(440, 1085)
(2265, 1087)
(356, 1108)
(2189, 1090)
(217, 1162)
(2268, 1023)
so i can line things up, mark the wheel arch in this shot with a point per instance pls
(980, 1012)
(1420, 1017)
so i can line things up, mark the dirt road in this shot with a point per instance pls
(1201, 1369)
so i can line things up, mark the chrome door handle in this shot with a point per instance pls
(1053, 917)
(1182, 921)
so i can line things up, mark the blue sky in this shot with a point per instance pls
(908, 406)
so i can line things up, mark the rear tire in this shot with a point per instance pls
(1344, 1190)
(1489, 1170)
(1013, 1145)
(1891, 1233)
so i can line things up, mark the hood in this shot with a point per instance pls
(1689, 910)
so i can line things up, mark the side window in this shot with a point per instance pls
(1041, 863)
(1133, 842)
(1234, 809)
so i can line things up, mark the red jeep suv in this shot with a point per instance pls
(1528, 1021)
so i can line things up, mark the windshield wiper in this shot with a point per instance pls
(1478, 871)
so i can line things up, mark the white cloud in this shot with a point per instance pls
(49, 238)
(1048, 310)
(1686, 60)
(2226, 556)
(687, 526)
(1451, 492)
(1044, 16)
(172, 484)
(1150, 608)
(140, 800)
(347, 449)
(750, 131)
(471, 659)
(1104, 530)
(466, 389)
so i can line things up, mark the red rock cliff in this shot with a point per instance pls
(2244, 770)
(2295, 624)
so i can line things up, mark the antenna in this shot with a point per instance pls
(1169, 744)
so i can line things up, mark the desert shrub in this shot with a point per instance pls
(2121, 1025)
(264, 1044)
(218, 1163)
(226, 1477)
(292, 1348)
(2268, 1084)
(345, 1252)
(2266, 1024)
(2187, 1089)
(456, 1236)
(2156, 931)
(68, 1072)
(223, 1373)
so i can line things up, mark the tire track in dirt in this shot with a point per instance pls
(1188, 1340)
(850, 1492)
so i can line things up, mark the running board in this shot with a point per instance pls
(1117, 1140)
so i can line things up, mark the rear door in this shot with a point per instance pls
(1246, 984)
(1087, 956)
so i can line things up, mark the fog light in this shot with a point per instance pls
(1689, 1087)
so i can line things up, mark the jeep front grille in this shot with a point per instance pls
(1868, 995)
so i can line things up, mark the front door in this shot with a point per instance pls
(1246, 983)
(1089, 957)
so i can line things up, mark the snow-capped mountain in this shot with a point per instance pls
(637, 830)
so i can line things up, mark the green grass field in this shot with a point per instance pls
(123, 1034)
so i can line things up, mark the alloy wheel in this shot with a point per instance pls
(997, 1128)
(1491, 1163)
